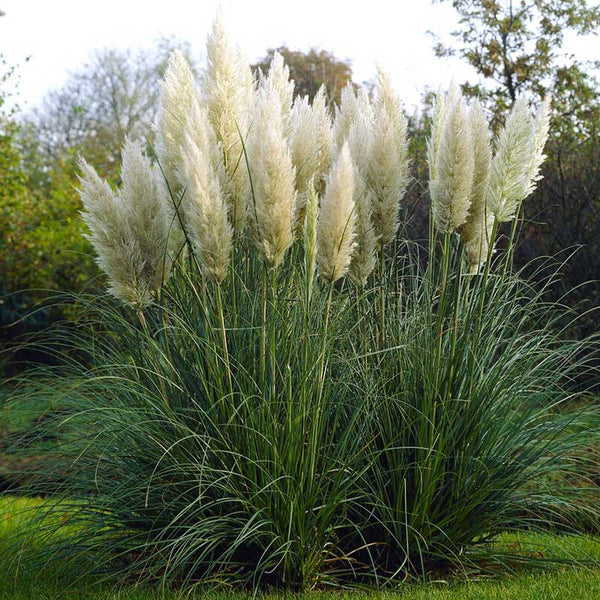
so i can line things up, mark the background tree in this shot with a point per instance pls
(12, 177)
(513, 44)
(113, 96)
(312, 69)
(41, 243)
(13, 180)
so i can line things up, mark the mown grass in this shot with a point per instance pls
(572, 585)
(580, 582)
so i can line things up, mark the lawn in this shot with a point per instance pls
(580, 582)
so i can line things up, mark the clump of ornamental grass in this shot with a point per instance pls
(185, 457)
(471, 422)
(269, 398)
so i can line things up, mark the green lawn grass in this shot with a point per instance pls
(581, 582)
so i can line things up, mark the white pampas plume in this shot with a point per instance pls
(324, 133)
(272, 206)
(278, 78)
(228, 89)
(197, 126)
(177, 91)
(363, 257)
(304, 144)
(352, 105)
(310, 145)
(437, 127)
(511, 166)
(360, 141)
(476, 231)
(454, 163)
(128, 229)
(541, 127)
(204, 207)
(388, 161)
(337, 219)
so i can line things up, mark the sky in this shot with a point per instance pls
(59, 35)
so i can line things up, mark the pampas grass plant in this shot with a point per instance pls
(265, 406)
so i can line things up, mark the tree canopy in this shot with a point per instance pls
(112, 96)
(513, 44)
(310, 70)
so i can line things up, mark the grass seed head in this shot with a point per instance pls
(476, 230)
(388, 161)
(272, 207)
(454, 167)
(228, 90)
(337, 220)
(128, 229)
(204, 206)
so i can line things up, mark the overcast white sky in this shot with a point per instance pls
(58, 35)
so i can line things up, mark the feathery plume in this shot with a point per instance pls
(324, 134)
(476, 231)
(360, 141)
(278, 78)
(304, 145)
(228, 89)
(352, 105)
(272, 206)
(204, 206)
(388, 161)
(128, 229)
(512, 163)
(363, 257)
(337, 218)
(197, 126)
(437, 127)
(454, 162)
(353, 127)
(177, 91)
(310, 145)
(541, 127)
